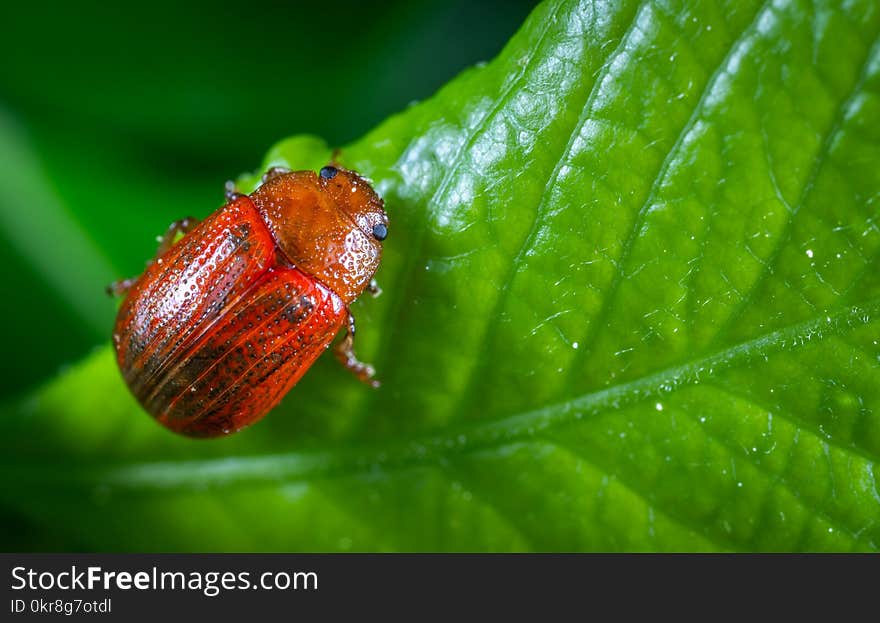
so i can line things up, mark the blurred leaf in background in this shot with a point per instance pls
(631, 303)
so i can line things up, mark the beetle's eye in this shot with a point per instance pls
(380, 231)
(328, 173)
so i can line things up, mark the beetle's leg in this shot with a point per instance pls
(344, 352)
(273, 172)
(373, 288)
(118, 288)
(231, 192)
(166, 240)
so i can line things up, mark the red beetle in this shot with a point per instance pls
(225, 321)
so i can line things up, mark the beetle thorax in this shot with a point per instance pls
(322, 226)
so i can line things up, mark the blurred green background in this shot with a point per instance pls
(116, 120)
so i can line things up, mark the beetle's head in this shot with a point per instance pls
(330, 225)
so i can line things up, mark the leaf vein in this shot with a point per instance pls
(491, 329)
(778, 479)
(829, 137)
(669, 158)
(670, 514)
(403, 453)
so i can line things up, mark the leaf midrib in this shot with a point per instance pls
(436, 449)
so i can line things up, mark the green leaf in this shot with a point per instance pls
(631, 302)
